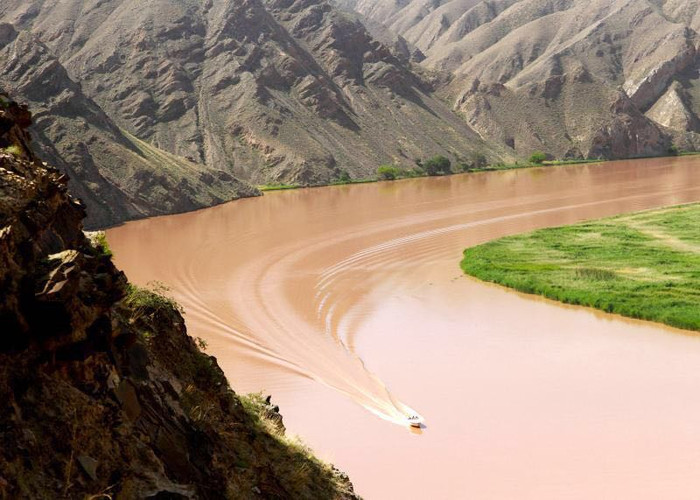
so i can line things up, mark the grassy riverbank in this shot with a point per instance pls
(644, 265)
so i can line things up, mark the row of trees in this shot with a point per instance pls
(437, 165)
(441, 165)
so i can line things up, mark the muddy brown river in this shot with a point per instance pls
(348, 305)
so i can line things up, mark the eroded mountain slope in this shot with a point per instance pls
(265, 90)
(181, 98)
(600, 78)
(118, 176)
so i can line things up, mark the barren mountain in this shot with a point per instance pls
(161, 106)
(262, 90)
(610, 78)
(116, 174)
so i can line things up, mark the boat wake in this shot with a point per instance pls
(268, 296)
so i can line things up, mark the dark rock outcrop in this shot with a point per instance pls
(104, 393)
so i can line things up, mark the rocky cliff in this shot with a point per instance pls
(104, 393)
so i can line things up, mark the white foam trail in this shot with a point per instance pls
(261, 317)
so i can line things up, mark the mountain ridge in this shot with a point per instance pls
(266, 91)
(188, 104)
(514, 61)
(117, 176)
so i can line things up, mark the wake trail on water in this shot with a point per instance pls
(298, 303)
(343, 369)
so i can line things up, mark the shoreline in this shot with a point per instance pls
(490, 168)
(289, 187)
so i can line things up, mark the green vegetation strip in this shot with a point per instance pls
(278, 187)
(440, 166)
(644, 265)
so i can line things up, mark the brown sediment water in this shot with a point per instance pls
(347, 304)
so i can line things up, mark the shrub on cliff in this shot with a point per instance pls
(99, 243)
(147, 301)
(13, 150)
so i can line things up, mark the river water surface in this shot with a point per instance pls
(347, 304)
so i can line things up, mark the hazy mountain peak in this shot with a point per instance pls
(540, 51)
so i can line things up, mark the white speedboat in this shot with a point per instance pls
(415, 421)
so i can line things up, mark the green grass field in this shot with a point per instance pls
(644, 265)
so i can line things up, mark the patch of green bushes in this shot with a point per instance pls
(388, 172)
(538, 158)
(13, 150)
(595, 274)
(344, 177)
(101, 244)
(150, 299)
(438, 165)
